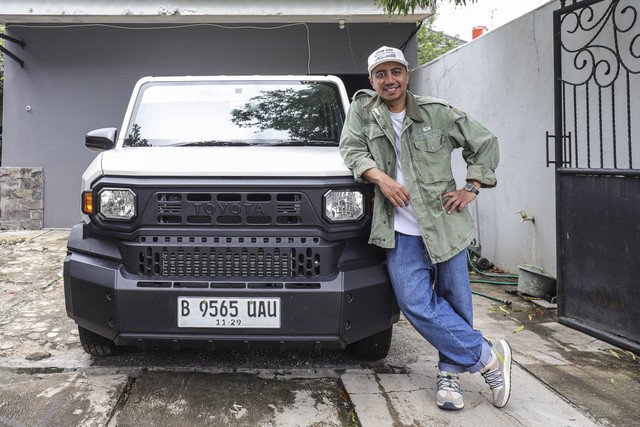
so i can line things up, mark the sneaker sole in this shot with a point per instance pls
(450, 406)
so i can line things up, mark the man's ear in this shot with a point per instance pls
(371, 81)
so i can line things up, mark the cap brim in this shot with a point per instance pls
(399, 61)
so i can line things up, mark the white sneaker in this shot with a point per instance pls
(449, 396)
(497, 373)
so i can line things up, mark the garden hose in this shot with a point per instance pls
(504, 301)
(506, 276)
(493, 283)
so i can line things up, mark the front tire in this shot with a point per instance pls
(95, 344)
(374, 347)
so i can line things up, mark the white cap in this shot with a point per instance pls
(386, 54)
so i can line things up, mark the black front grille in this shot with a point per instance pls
(215, 262)
(230, 257)
(229, 208)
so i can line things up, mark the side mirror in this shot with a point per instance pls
(101, 139)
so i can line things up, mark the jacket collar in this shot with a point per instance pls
(413, 109)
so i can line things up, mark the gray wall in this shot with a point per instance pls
(78, 79)
(505, 80)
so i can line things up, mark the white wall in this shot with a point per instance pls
(505, 80)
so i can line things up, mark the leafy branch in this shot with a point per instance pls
(432, 43)
(404, 7)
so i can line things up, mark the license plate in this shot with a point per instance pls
(206, 312)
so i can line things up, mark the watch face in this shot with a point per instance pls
(470, 187)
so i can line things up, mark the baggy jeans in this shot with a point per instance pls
(436, 299)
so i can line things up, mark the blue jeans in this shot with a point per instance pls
(436, 299)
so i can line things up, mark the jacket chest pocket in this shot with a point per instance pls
(377, 142)
(433, 155)
(430, 142)
(373, 132)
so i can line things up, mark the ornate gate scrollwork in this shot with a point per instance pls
(599, 49)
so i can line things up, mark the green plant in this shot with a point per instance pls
(432, 43)
(404, 7)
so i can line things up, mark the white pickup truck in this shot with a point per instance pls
(222, 215)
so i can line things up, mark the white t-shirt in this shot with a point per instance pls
(405, 220)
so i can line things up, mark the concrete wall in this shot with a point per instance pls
(80, 78)
(505, 80)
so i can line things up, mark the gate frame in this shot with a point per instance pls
(563, 166)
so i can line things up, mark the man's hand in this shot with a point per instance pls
(459, 198)
(392, 189)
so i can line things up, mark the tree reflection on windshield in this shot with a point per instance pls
(312, 113)
(134, 139)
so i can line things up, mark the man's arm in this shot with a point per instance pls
(460, 198)
(479, 148)
(392, 189)
(480, 152)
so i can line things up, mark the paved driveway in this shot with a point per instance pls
(47, 379)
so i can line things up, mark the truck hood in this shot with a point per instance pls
(224, 161)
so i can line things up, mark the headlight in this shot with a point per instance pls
(343, 205)
(117, 204)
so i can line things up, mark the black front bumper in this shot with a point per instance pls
(322, 311)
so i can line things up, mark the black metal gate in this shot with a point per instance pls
(597, 146)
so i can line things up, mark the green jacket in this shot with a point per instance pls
(431, 131)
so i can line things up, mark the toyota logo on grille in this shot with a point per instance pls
(227, 208)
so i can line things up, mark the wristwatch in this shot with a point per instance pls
(472, 188)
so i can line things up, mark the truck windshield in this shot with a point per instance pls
(221, 113)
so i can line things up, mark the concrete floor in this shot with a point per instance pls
(561, 376)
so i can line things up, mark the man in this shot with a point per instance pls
(402, 143)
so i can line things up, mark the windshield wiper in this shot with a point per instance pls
(303, 143)
(287, 143)
(212, 143)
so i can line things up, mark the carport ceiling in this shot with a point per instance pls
(198, 11)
